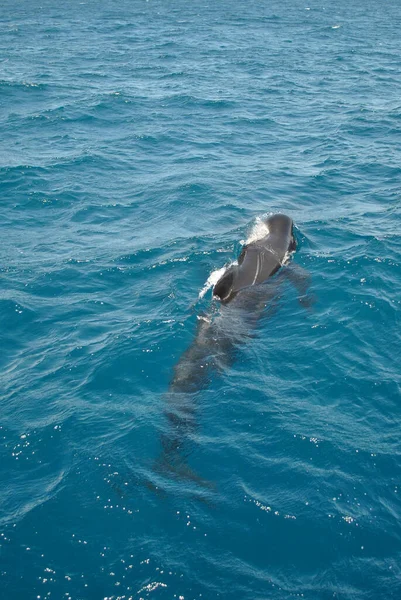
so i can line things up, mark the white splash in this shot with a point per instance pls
(287, 258)
(203, 318)
(212, 280)
(259, 230)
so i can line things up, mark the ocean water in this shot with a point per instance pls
(140, 143)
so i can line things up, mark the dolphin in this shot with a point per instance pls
(242, 293)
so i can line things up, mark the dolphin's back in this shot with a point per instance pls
(258, 260)
(257, 263)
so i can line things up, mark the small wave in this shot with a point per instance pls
(212, 280)
(259, 229)
(22, 85)
(189, 100)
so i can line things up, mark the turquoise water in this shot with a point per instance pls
(140, 141)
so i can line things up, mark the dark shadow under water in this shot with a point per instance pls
(219, 336)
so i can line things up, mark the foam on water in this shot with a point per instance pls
(213, 279)
(259, 230)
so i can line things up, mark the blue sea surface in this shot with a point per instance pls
(140, 142)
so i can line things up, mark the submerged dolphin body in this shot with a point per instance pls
(244, 291)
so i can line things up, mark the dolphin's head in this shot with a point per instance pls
(280, 224)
